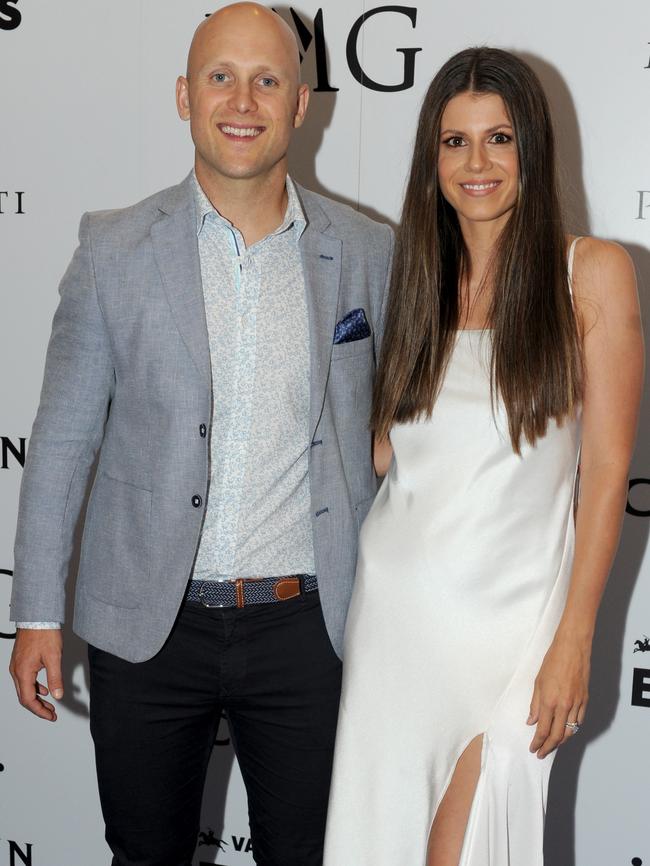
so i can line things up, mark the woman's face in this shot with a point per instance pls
(477, 165)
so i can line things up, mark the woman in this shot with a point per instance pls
(510, 350)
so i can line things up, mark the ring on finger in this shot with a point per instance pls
(575, 727)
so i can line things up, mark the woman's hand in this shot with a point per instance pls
(561, 693)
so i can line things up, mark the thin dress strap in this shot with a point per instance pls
(576, 480)
(572, 250)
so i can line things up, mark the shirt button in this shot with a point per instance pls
(202, 431)
(197, 501)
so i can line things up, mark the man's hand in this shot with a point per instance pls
(34, 650)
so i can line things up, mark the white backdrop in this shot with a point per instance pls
(88, 122)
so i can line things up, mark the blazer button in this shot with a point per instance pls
(197, 502)
(203, 431)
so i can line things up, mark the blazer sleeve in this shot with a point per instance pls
(67, 433)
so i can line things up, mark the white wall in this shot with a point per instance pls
(88, 122)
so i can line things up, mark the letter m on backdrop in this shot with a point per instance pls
(306, 38)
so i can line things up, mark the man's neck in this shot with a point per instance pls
(256, 206)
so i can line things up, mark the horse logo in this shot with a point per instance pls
(642, 646)
(210, 839)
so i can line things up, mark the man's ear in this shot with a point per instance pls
(183, 97)
(301, 108)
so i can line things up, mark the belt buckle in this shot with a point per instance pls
(203, 601)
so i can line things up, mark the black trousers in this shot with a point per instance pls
(272, 668)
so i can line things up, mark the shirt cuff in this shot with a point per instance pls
(38, 625)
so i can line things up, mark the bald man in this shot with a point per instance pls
(214, 352)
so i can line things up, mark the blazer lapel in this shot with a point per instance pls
(177, 256)
(321, 260)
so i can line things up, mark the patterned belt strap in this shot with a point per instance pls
(250, 590)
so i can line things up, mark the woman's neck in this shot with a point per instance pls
(475, 291)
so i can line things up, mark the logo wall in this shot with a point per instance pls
(315, 37)
(634, 503)
(10, 16)
(638, 486)
(12, 202)
(12, 452)
(19, 854)
(239, 844)
(643, 202)
(641, 686)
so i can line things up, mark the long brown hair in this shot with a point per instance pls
(536, 347)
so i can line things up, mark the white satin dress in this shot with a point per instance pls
(464, 564)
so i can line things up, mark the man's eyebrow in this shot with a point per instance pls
(261, 67)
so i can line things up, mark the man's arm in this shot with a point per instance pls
(67, 432)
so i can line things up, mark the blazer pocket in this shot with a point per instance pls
(116, 549)
(354, 347)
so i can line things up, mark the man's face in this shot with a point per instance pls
(242, 95)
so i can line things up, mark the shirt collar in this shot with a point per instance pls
(294, 215)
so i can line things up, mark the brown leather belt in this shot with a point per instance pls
(242, 591)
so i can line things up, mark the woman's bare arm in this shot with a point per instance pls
(607, 303)
(382, 454)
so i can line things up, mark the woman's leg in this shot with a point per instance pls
(450, 822)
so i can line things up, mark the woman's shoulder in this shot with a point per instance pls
(603, 276)
(596, 254)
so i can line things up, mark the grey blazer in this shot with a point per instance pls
(128, 375)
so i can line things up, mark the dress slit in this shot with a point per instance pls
(446, 787)
(477, 804)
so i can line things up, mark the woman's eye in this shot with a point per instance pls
(454, 141)
(501, 138)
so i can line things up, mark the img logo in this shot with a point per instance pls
(313, 37)
(10, 17)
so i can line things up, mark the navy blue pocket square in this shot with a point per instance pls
(353, 326)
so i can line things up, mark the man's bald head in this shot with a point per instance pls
(242, 95)
(244, 18)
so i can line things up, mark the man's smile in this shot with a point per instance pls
(232, 131)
